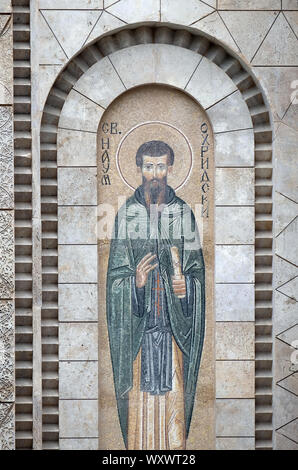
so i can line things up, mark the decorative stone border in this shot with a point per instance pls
(108, 54)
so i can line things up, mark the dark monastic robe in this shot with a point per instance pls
(132, 314)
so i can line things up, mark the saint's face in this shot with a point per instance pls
(155, 169)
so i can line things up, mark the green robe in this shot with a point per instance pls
(133, 238)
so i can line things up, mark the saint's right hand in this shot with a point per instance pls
(143, 269)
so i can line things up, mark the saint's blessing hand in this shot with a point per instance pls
(143, 269)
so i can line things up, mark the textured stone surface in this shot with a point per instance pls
(78, 342)
(175, 11)
(6, 158)
(234, 302)
(80, 113)
(286, 243)
(234, 263)
(290, 430)
(100, 83)
(285, 411)
(235, 379)
(290, 288)
(235, 340)
(284, 443)
(77, 225)
(73, 5)
(235, 417)
(78, 418)
(78, 444)
(289, 5)
(283, 271)
(77, 263)
(6, 60)
(279, 46)
(234, 186)
(285, 211)
(234, 225)
(230, 114)
(76, 148)
(6, 254)
(283, 364)
(134, 11)
(72, 27)
(248, 28)
(78, 380)
(214, 27)
(7, 377)
(78, 302)
(160, 63)
(286, 312)
(105, 23)
(235, 443)
(51, 51)
(77, 186)
(249, 4)
(210, 84)
(234, 148)
(5, 6)
(7, 436)
(46, 76)
(285, 148)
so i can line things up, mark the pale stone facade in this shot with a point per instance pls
(238, 60)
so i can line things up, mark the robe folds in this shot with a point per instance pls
(137, 232)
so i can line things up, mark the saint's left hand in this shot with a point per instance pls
(179, 286)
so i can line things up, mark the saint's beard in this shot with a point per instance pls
(155, 190)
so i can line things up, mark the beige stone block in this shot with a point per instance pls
(248, 28)
(78, 302)
(235, 379)
(77, 225)
(241, 381)
(235, 341)
(134, 11)
(285, 408)
(73, 5)
(230, 114)
(234, 186)
(277, 82)
(160, 63)
(235, 443)
(7, 254)
(235, 148)
(210, 84)
(50, 51)
(175, 11)
(7, 345)
(78, 342)
(234, 225)
(6, 60)
(286, 312)
(77, 186)
(78, 418)
(100, 83)
(235, 417)
(71, 27)
(249, 4)
(79, 113)
(285, 212)
(285, 159)
(7, 426)
(289, 5)
(77, 263)
(5, 6)
(279, 46)
(234, 302)
(105, 24)
(286, 243)
(6, 158)
(78, 444)
(234, 263)
(46, 78)
(283, 370)
(76, 148)
(78, 380)
(213, 26)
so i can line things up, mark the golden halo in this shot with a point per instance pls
(145, 132)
